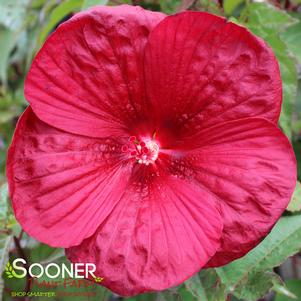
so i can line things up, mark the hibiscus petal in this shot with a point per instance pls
(88, 77)
(62, 185)
(250, 168)
(155, 238)
(202, 70)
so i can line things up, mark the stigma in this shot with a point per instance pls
(144, 151)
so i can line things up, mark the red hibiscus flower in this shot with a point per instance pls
(151, 146)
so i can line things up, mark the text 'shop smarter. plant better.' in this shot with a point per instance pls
(150, 146)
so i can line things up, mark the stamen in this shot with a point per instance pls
(145, 151)
(124, 148)
(132, 139)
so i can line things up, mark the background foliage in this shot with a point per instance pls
(24, 26)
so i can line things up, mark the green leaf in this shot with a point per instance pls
(295, 203)
(211, 7)
(256, 285)
(179, 293)
(283, 241)
(7, 218)
(268, 17)
(6, 116)
(283, 290)
(7, 43)
(5, 242)
(143, 297)
(89, 3)
(231, 5)
(3, 202)
(268, 22)
(12, 13)
(43, 253)
(169, 6)
(292, 288)
(289, 82)
(297, 151)
(206, 286)
(38, 3)
(58, 14)
(292, 38)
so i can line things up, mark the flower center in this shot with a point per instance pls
(145, 151)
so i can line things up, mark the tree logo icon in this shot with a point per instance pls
(10, 272)
(98, 279)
